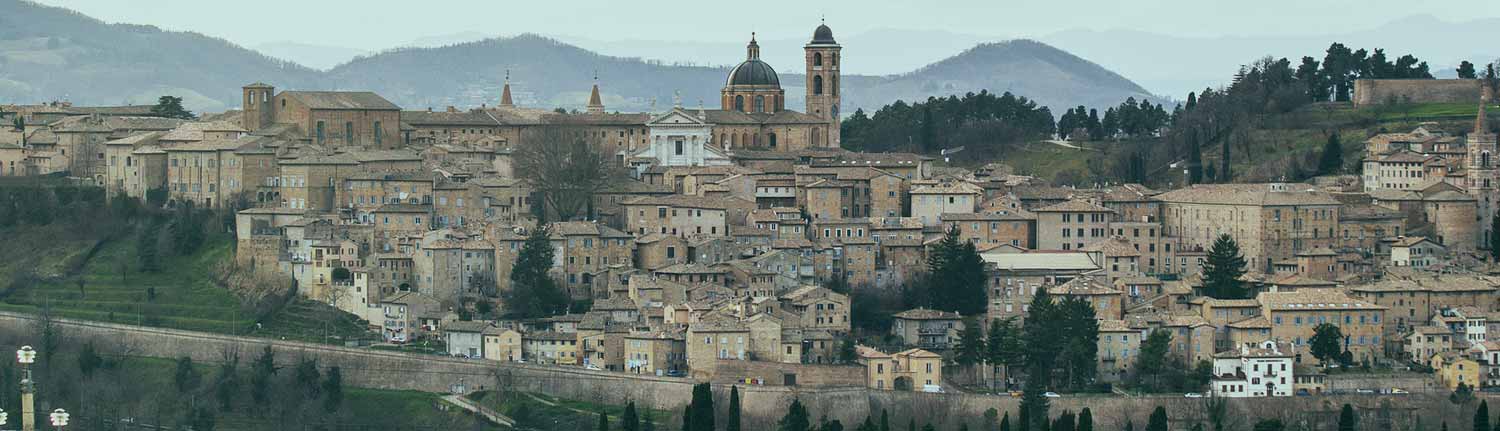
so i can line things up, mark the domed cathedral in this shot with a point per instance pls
(753, 114)
(823, 79)
(753, 86)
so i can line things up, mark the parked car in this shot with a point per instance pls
(1051, 395)
(1192, 395)
(593, 367)
(932, 389)
(675, 373)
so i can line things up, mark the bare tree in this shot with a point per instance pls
(564, 162)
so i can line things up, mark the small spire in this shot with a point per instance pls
(752, 50)
(676, 98)
(505, 100)
(596, 103)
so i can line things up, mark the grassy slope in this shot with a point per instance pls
(362, 408)
(1295, 135)
(562, 414)
(186, 294)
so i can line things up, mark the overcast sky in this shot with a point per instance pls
(378, 24)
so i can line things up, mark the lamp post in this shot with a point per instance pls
(27, 356)
(59, 418)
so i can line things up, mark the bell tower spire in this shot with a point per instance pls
(596, 103)
(505, 101)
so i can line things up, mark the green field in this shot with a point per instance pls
(108, 286)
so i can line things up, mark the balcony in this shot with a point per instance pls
(932, 331)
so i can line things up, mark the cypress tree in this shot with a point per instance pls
(1332, 161)
(885, 421)
(796, 418)
(1158, 420)
(1085, 420)
(1495, 237)
(734, 409)
(1346, 418)
(603, 421)
(629, 421)
(1005, 422)
(702, 408)
(1482, 416)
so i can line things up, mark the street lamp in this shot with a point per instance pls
(59, 418)
(27, 356)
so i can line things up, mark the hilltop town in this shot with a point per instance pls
(739, 243)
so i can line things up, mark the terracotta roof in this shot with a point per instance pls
(1074, 206)
(355, 100)
(1249, 194)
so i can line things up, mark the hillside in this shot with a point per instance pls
(49, 53)
(53, 53)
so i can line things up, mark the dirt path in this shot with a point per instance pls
(476, 408)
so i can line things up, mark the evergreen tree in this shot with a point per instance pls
(1003, 344)
(1327, 343)
(1332, 161)
(1466, 70)
(1129, 425)
(533, 292)
(1080, 346)
(333, 390)
(1495, 237)
(628, 419)
(1158, 420)
(603, 421)
(1195, 159)
(260, 376)
(991, 420)
(1482, 417)
(796, 418)
(1152, 361)
(701, 410)
(227, 384)
(186, 378)
(971, 349)
(171, 107)
(147, 248)
(1222, 270)
(734, 410)
(928, 138)
(868, 425)
(885, 421)
(1005, 422)
(1085, 420)
(1347, 418)
(1064, 422)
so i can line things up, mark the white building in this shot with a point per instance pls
(1417, 252)
(1254, 370)
(679, 138)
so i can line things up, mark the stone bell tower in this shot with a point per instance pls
(822, 57)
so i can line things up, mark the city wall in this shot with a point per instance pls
(1368, 92)
(762, 405)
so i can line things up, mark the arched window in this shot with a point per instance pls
(771, 140)
(745, 139)
(833, 59)
(760, 103)
(739, 103)
(818, 84)
(1484, 159)
(817, 59)
(734, 140)
(755, 140)
(723, 139)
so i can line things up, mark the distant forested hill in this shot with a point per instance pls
(50, 53)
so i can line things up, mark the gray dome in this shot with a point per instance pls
(823, 35)
(753, 72)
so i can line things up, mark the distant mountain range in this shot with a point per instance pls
(53, 53)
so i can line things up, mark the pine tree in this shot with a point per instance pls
(1158, 420)
(734, 410)
(1466, 70)
(1332, 161)
(1346, 418)
(1085, 420)
(171, 107)
(1327, 343)
(1223, 268)
(628, 420)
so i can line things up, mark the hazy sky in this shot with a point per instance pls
(377, 24)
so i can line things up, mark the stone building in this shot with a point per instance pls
(927, 329)
(1071, 225)
(1271, 222)
(931, 200)
(1294, 315)
(358, 119)
(908, 370)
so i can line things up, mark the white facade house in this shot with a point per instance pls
(1261, 369)
(679, 138)
(1417, 252)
